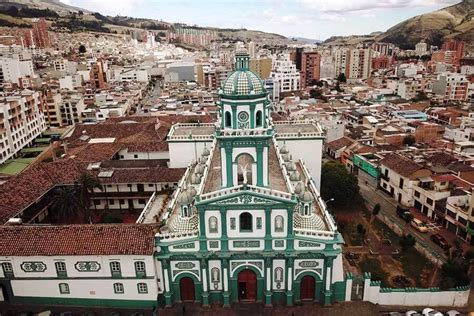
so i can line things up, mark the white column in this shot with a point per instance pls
(167, 281)
(226, 281)
(204, 280)
(290, 278)
(269, 279)
(328, 278)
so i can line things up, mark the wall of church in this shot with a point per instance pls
(182, 153)
(308, 150)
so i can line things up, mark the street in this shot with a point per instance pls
(389, 207)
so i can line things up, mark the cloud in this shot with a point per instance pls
(342, 6)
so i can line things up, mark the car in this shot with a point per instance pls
(402, 211)
(419, 225)
(440, 241)
(431, 312)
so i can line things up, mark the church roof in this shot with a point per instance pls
(243, 82)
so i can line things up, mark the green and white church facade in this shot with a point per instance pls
(247, 222)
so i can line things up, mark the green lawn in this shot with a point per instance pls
(374, 266)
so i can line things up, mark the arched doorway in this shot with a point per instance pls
(247, 285)
(186, 287)
(307, 288)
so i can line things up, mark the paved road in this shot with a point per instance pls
(389, 206)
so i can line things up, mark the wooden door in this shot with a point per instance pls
(308, 285)
(247, 285)
(187, 290)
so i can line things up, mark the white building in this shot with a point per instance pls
(286, 74)
(13, 68)
(21, 121)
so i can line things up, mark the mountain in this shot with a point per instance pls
(456, 21)
(19, 13)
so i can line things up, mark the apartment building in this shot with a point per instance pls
(52, 108)
(21, 121)
(451, 86)
(71, 109)
(14, 67)
(262, 66)
(310, 68)
(354, 63)
(285, 72)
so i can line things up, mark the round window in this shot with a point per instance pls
(243, 116)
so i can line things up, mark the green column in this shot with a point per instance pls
(291, 234)
(202, 232)
(166, 270)
(259, 165)
(252, 116)
(268, 229)
(224, 238)
(289, 280)
(229, 164)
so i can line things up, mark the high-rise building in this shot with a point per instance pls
(21, 121)
(285, 72)
(455, 46)
(310, 68)
(451, 86)
(251, 49)
(261, 66)
(38, 36)
(98, 75)
(421, 48)
(296, 57)
(354, 63)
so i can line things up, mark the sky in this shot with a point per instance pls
(314, 19)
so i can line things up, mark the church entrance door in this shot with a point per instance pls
(247, 285)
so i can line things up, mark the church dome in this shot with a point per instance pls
(284, 150)
(306, 196)
(205, 152)
(295, 176)
(290, 166)
(186, 197)
(199, 169)
(195, 178)
(243, 82)
(299, 187)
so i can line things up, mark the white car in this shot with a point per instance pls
(412, 313)
(431, 312)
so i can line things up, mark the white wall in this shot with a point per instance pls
(182, 153)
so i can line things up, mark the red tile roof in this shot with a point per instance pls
(400, 164)
(339, 143)
(71, 240)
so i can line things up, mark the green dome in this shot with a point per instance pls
(243, 82)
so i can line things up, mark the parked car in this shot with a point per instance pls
(402, 211)
(419, 225)
(440, 241)
(431, 312)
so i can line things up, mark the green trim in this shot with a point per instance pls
(115, 274)
(61, 274)
(33, 266)
(87, 266)
(140, 273)
(114, 303)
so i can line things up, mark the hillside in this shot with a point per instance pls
(62, 16)
(456, 21)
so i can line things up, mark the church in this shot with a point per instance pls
(247, 222)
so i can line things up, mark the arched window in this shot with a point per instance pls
(244, 169)
(258, 119)
(306, 209)
(279, 223)
(245, 221)
(213, 224)
(227, 119)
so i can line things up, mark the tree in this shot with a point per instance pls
(339, 184)
(420, 96)
(82, 49)
(454, 273)
(341, 77)
(409, 140)
(375, 212)
(315, 93)
(87, 183)
(65, 203)
(407, 242)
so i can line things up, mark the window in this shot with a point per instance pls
(118, 288)
(228, 119)
(258, 120)
(140, 268)
(115, 268)
(141, 201)
(306, 210)
(400, 185)
(64, 288)
(60, 268)
(417, 194)
(142, 288)
(245, 222)
(7, 269)
(429, 201)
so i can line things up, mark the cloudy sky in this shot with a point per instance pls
(316, 19)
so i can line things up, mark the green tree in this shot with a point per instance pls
(315, 93)
(339, 184)
(66, 203)
(408, 217)
(407, 242)
(420, 96)
(409, 140)
(375, 212)
(454, 273)
(87, 183)
(341, 77)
